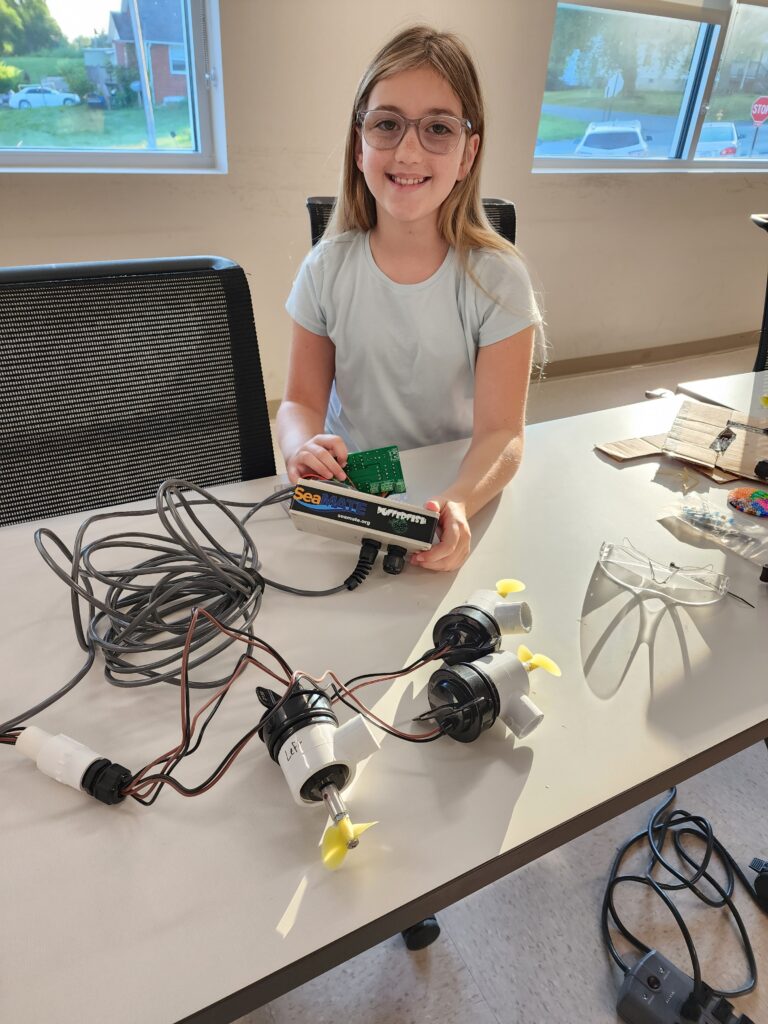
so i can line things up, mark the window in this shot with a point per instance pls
(178, 56)
(661, 86)
(741, 82)
(126, 85)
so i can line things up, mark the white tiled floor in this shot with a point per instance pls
(528, 948)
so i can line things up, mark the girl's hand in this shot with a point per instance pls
(452, 549)
(323, 455)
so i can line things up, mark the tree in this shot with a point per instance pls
(608, 41)
(41, 30)
(746, 51)
(27, 26)
(75, 75)
(11, 29)
(97, 39)
(9, 77)
(122, 78)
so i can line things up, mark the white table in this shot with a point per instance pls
(741, 391)
(199, 910)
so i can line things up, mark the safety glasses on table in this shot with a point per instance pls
(687, 584)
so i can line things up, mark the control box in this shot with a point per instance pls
(333, 510)
(655, 991)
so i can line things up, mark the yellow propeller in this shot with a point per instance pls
(339, 838)
(531, 661)
(506, 587)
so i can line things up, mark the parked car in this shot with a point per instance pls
(613, 139)
(718, 138)
(41, 96)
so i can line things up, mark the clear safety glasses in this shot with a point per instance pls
(438, 133)
(685, 584)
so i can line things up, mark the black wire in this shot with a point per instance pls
(678, 824)
(361, 710)
(305, 593)
(422, 660)
(165, 776)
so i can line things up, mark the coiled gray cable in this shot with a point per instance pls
(140, 623)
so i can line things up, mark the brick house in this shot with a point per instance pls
(162, 23)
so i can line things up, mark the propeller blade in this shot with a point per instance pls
(524, 654)
(542, 661)
(532, 661)
(509, 586)
(339, 839)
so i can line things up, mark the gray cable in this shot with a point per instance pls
(140, 623)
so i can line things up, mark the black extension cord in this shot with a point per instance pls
(636, 1004)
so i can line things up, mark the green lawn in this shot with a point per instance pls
(43, 67)
(722, 108)
(553, 129)
(87, 128)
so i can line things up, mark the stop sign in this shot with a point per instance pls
(760, 110)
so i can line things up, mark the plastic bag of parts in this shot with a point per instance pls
(693, 518)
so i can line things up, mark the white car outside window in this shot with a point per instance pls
(613, 139)
(41, 96)
(718, 138)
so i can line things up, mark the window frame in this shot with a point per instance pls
(206, 89)
(718, 15)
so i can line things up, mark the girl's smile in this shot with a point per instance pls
(403, 181)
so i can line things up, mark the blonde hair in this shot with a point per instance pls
(462, 222)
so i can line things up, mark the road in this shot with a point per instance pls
(660, 128)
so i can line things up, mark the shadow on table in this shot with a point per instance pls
(620, 632)
(628, 639)
(461, 779)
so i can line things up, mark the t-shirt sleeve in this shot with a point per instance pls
(303, 304)
(506, 302)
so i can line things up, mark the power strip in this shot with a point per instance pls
(330, 509)
(657, 992)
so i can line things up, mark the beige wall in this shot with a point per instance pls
(626, 262)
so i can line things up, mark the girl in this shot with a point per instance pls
(414, 322)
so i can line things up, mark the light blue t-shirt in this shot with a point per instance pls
(405, 353)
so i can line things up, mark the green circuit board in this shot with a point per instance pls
(377, 471)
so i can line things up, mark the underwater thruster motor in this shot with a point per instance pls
(476, 628)
(466, 699)
(318, 758)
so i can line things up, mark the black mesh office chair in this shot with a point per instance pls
(500, 212)
(116, 376)
(761, 363)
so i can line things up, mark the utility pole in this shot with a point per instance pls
(141, 61)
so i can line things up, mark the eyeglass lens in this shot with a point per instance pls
(636, 571)
(438, 133)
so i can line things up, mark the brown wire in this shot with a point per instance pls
(142, 787)
(137, 786)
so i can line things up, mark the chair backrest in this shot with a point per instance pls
(761, 361)
(500, 212)
(117, 376)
